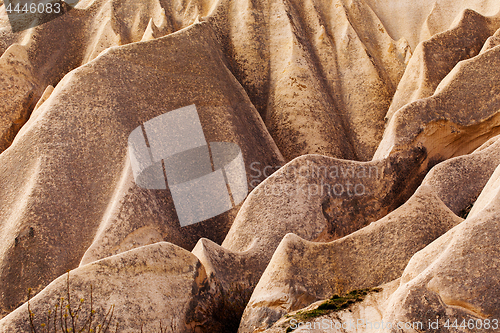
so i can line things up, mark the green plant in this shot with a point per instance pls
(333, 304)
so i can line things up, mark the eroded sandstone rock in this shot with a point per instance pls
(363, 315)
(434, 58)
(141, 288)
(68, 176)
(322, 76)
(455, 277)
(301, 272)
(318, 198)
(19, 92)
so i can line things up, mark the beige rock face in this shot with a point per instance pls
(316, 197)
(250, 248)
(226, 103)
(433, 59)
(466, 175)
(418, 21)
(159, 283)
(16, 76)
(306, 95)
(383, 113)
(367, 258)
(48, 52)
(454, 278)
(459, 111)
(343, 265)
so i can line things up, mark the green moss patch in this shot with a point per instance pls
(333, 304)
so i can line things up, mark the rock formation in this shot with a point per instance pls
(370, 135)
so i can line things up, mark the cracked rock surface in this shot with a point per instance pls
(369, 131)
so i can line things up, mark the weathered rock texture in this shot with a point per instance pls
(455, 277)
(383, 113)
(374, 255)
(141, 288)
(363, 315)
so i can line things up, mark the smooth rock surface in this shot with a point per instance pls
(362, 316)
(302, 272)
(395, 102)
